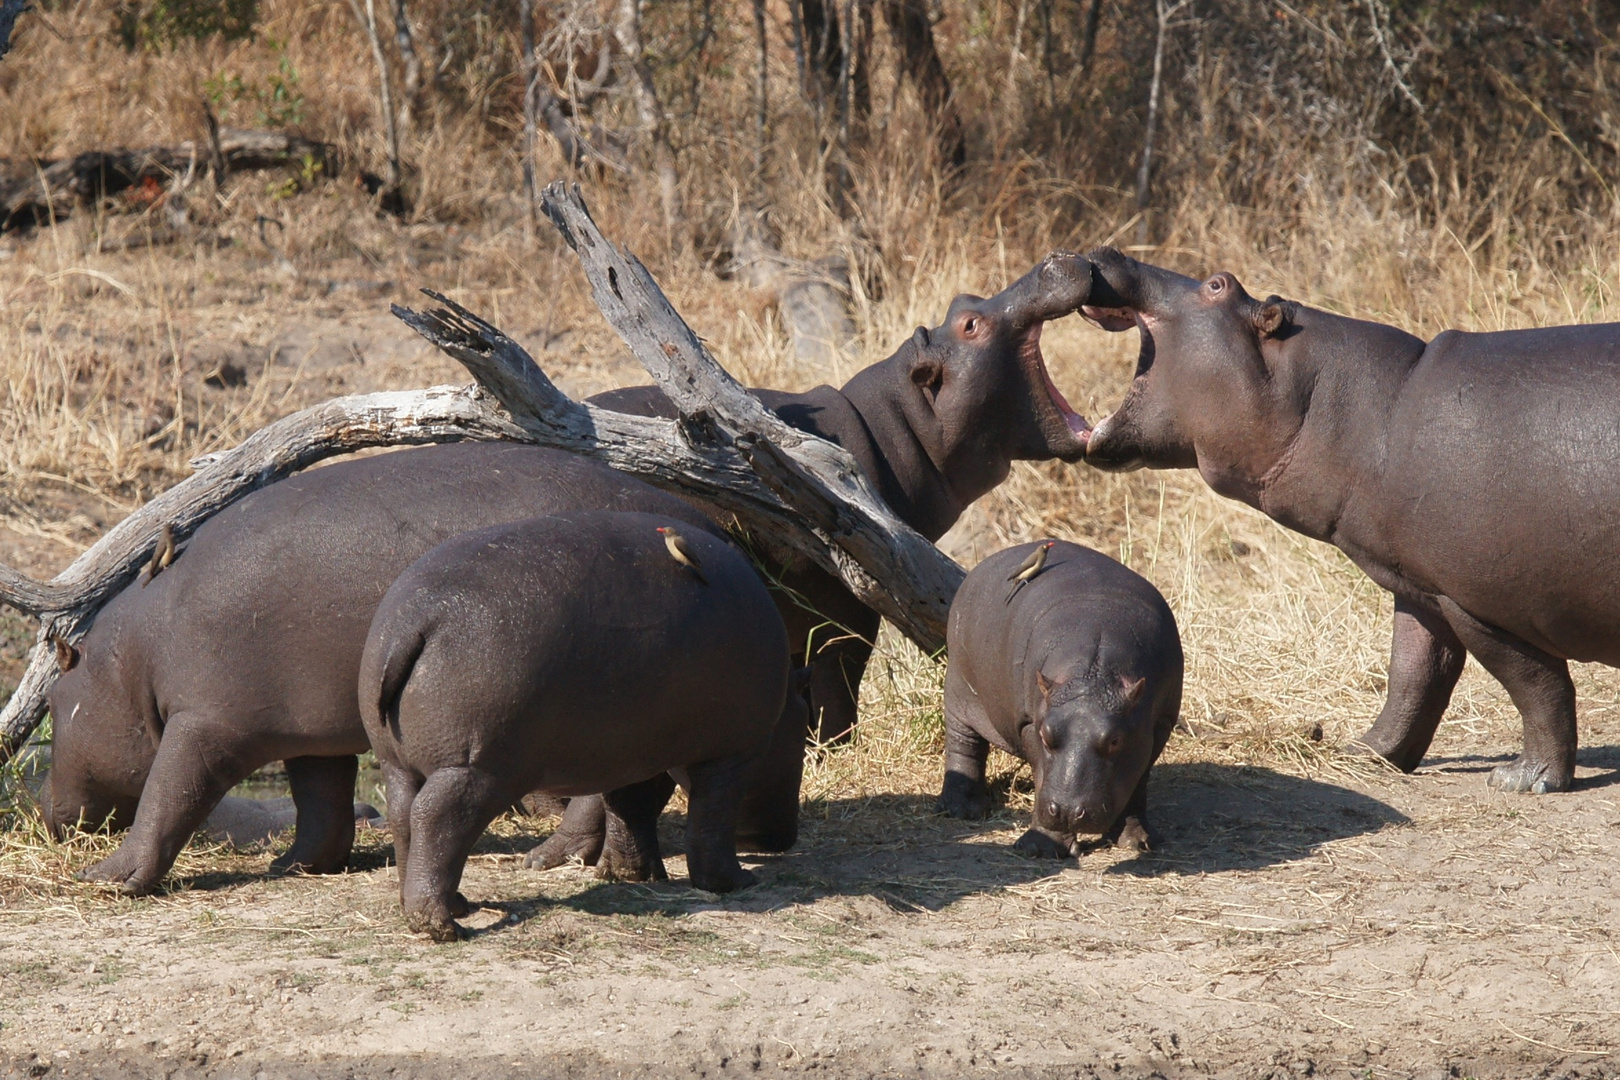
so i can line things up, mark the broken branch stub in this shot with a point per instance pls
(901, 574)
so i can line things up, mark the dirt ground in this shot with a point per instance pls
(1286, 926)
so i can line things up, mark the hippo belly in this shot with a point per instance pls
(1502, 491)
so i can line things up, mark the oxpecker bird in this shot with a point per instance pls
(1029, 568)
(681, 551)
(161, 557)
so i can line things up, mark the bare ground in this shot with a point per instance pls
(1286, 926)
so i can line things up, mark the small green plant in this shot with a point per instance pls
(277, 103)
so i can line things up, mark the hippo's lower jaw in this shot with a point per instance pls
(1066, 430)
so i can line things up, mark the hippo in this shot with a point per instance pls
(245, 649)
(933, 427)
(571, 654)
(1475, 476)
(1063, 657)
(935, 424)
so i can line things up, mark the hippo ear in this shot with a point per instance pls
(67, 657)
(926, 374)
(1273, 317)
(1046, 685)
(1130, 689)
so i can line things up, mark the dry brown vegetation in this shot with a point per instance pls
(1466, 182)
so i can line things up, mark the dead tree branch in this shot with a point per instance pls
(784, 486)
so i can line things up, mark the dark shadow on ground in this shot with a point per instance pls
(1587, 757)
(1210, 819)
(897, 850)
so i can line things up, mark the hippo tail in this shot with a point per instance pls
(400, 654)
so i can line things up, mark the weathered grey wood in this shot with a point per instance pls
(816, 478)
(67, 604)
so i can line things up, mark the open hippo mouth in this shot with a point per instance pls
(1062, 424)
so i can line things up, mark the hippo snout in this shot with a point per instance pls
(1062, 815)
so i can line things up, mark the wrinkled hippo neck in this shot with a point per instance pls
(1325, 484)
(923, 494)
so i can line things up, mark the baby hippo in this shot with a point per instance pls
(574, 654)
(1062, 656)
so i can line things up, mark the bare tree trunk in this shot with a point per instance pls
(1088, 44)
(1016, 53)
(653, 122)
(368, 22)
(914, 34)
(405, 41)
(530, 71)
(861, 96)
(762, 115)
(1144, 172)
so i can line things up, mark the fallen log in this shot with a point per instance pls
(785, 487)
(38, 193)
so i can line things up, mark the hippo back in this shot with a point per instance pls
(261, 619)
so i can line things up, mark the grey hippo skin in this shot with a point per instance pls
(246, 649)
(933, 427)
(1078, 672)
(570, 654)
(1474, 476)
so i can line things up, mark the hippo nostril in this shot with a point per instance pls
(1052, 811)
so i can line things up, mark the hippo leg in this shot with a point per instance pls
(1425, 661)
(835, 684)
(401, 787)
(448, 814)
(1042, 843)
(1542, 691)
(323, 792)
(964, 794)
(711, 824)
(197, 762)
(630, 848)
(768, 818)
(580, 833)
(1130, 830)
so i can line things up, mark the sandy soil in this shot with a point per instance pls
(1286, 926)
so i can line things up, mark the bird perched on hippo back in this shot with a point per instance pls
(573, 654)
(1475, 476)
(1078, 671)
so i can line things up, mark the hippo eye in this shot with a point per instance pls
(969, 325)
(1216, 285)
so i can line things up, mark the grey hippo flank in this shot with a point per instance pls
(571, 654)
(1475, 476)
(1073, 664)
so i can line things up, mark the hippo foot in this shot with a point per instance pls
(438, 925)
(769, 841)
(617, 865)
(1038, 844)
(1133, 836)
(121, 868)
(294, 861)
(723, 881)
(963, 798)
(1523, 774)
(562, 847)
(1395, 756)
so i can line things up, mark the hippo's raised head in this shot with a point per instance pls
(974, 391)
(1213, 387)
(1089, 745)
